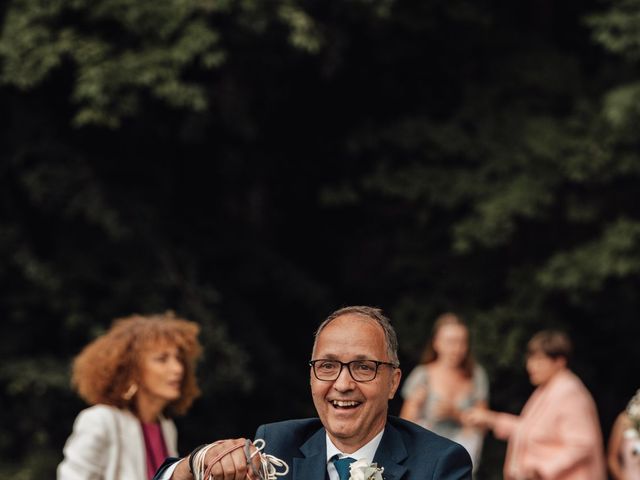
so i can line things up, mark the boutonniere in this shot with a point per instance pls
(362, 470)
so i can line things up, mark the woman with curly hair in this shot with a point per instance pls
(135, 376)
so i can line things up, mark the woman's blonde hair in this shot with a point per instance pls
(106, 368)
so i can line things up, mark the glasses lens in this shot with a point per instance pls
(363, 370)
(326, 369)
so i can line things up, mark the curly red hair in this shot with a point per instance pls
(105, 369)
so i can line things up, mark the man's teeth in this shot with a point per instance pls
(340, 403)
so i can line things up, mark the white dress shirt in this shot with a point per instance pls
(367, 452)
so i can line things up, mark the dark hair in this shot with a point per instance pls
(429, 354)
(373, 313)
(552, 343)
(106, 367)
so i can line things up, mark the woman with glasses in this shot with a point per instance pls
(135, 376)
(446, 383)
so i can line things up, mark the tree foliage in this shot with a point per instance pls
(254, 165)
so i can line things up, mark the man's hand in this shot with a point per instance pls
(231, 465)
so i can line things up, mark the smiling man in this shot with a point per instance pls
(354, 372)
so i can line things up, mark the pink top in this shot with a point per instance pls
(558, 433)
(154, 446)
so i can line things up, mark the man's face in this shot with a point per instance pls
(353, 412)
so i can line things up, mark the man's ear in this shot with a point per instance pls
(395, 382)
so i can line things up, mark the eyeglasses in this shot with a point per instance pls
(360, 370)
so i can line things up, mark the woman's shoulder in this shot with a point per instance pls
(420, 371)
(417, 377)
(101, 413)
(566, 384)
(479, 374)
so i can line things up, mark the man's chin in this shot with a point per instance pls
(340, 429)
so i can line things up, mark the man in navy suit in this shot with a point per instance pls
(354, 373)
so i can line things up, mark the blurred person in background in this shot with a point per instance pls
(557, 436)
(136, 376)
(447, 382)
(623, 452)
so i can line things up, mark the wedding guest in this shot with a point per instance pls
(136, 376)
(447, 382)
(557, 435)
(353, 372)
(623, 452)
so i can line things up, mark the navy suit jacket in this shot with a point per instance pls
(406, 451)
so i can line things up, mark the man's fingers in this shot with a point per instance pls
(230, 467)
(239, 464)
(252, 460)
(226, 460)
(254, 466)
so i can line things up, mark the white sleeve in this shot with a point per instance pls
(87, 448)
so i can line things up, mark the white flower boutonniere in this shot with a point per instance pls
(361, 470)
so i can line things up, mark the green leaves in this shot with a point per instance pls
(615, 254)
(120, 50)
(616, 28)
(622, 105)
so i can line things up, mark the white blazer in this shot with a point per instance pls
(107, 443)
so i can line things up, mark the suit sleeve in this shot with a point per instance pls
(166, 469)
(260, 433)
(454, 464)
(86, 449)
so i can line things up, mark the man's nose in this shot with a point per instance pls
(344, 380)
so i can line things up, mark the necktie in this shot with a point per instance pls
(342, 466)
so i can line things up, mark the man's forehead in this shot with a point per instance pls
(358, 336)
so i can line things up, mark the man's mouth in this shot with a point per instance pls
(344, 404)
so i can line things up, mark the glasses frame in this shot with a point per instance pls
(312, 364)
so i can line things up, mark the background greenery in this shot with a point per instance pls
(254, 165)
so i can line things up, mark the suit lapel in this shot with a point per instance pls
(314, 464)
(390, 453)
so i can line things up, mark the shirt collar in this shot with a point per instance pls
(366, 452)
